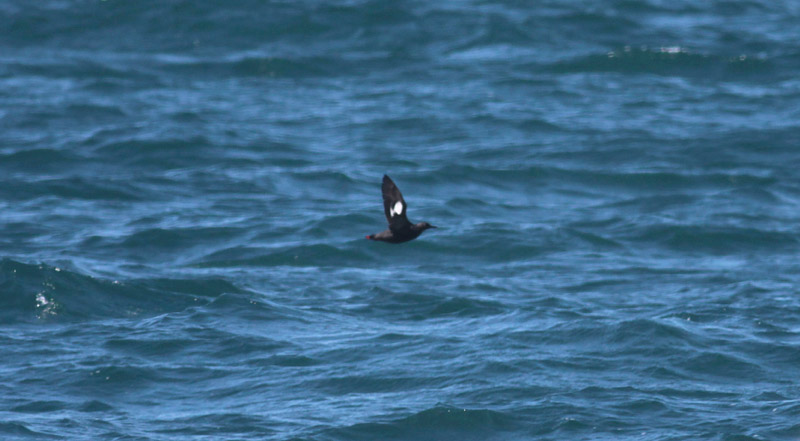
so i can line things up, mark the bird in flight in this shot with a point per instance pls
(394, 207)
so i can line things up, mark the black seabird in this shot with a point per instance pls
(394, 207)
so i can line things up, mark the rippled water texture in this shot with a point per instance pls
(185, 187)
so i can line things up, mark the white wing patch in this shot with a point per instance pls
(397, 209)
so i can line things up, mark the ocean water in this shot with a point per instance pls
(185, 187)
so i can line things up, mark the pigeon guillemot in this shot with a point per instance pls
(394, 207)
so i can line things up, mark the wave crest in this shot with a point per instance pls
(30, 292)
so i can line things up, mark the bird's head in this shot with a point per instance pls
(422, 226)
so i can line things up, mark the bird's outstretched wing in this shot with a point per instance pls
(394, 206)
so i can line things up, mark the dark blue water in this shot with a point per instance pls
(185, 187)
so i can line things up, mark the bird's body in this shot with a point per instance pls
(400, 236)
(394, 207)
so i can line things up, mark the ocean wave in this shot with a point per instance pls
(652, 335)
(70, 188)
(155, 154)
(31, 292)
(371, 384)
(672, 61)
(272, 67)
(730, 366)
(17, 429)
(39, 160)
(81, 65)
(315, 255)
(40, 406)
(231, 425)
(381, 302)
(715, 239)
(592, 177)
(163, 244)
(437, 423)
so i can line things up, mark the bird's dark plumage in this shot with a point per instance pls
(394, 207)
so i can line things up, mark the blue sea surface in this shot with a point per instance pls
(185, 187)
